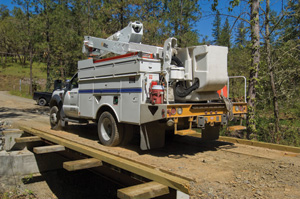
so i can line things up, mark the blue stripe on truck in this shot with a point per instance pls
(111, 90)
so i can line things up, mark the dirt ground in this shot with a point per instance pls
(217, 169)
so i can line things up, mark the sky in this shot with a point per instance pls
(205, 25)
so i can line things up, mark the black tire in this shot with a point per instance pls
(42, 102)
(210, 133)
(55, 120)
(109, 131)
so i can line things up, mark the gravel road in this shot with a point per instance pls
(14, 109)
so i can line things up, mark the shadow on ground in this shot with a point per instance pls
(11, 113)
(75, 185)
(174, 145)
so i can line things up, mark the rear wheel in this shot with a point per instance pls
(109, 130)
(210, 133)
(42, 102)
(55, 120)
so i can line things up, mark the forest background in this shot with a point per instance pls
(42, 40)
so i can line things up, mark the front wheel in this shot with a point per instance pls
(42, 102)
(55, 120)
(109, 131)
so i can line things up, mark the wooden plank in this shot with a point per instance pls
(82, 164)
(48, 149)
(176, 182)
(261, 144)
(236, 128)
(143, 191)
(255, 143)
(185, 132)
(28, 139)
(12, 131)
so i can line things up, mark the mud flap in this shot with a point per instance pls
(229, 107)
(152, 136)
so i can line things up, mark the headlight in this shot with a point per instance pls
(179, 111)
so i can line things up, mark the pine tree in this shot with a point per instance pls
(240, 39)
(180, 17)
(4, 12)
(292, 21)
(217, 28)
(225, 36)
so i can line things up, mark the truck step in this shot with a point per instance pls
(76, 121)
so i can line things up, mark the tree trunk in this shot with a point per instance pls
(31, 79)
(271, 71)
(62, 73)
(122, 14)
(48, 83)
(255, 37)
(19, 58)
(89, 17)
(48, 52)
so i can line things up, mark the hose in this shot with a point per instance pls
(182, 91)
(177, 61)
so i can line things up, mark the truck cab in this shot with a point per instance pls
(70, 100)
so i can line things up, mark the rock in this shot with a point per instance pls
(210, 192)
(175, 156)
(283, 166)
(259, 192)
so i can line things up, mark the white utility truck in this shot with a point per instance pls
(148, 89)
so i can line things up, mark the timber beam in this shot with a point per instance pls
(278, 147)
(82, 164)
(12, 131)
(143, 191)
(48, 149)
(28, 139)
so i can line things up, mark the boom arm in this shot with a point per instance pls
(196, 72)
(122, 42)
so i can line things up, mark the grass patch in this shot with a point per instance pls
(18, 70)
(21, 94)
(15, 78)
(15, 194)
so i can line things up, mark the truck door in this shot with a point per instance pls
(70, 104)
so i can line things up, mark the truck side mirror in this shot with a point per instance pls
(57, 84)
